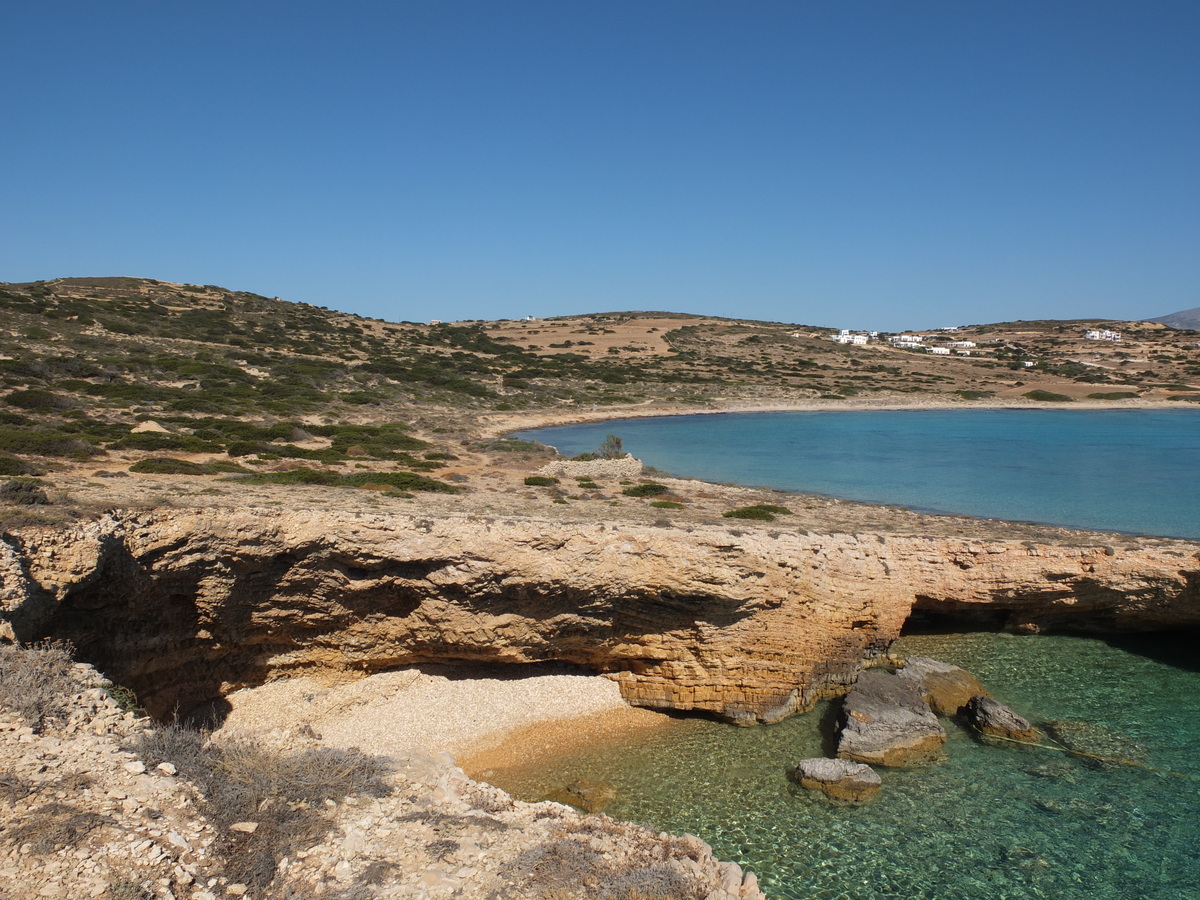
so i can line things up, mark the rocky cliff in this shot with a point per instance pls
(749, 623)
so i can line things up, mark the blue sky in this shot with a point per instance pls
(859, 164)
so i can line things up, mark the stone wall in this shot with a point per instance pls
(626, 467)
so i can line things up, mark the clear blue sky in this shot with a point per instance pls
(858, 164)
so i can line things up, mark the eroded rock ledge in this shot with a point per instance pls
(749, 624)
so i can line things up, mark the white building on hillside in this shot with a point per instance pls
(845, 337)
(939, 351)
(965, 345)
(1104, 335)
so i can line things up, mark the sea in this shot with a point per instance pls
(990, 819)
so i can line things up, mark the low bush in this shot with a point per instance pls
(409, 481)
(1046, 397)
(1115, 395)
(23, 492)
(540, 480)
(44, 442)
(285, 792)
(36, 681)
(38, 400)
(763, 512)
(165, 465)
(649, 489)
(666, 504)
(11, 465)
(157, 440)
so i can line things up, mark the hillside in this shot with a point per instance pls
(1188, 319)
(121, 371)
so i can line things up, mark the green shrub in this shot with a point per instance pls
(23, 492)
(165, 465)
(763, 512)
(611, 448)
(649, 489)
(511, 445)
(540, 480)
(11, 465)
(1047, 397)
(157, 440)
(666, 504)
(975, 395)
(409, 481)
(1115, 395)
(44, 442)
(38, 400)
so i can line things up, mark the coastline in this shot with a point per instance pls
(492, 426)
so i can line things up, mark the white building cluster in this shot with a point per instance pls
(1102, 335)
(846, 337)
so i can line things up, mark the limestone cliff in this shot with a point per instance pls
(749, 623)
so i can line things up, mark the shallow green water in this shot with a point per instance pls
(989, 821)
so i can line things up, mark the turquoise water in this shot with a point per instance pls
(989, 821)
(1117, 470)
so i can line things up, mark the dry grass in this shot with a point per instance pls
(53, 826)
(284, 792)
(567, 868)
(36, 681)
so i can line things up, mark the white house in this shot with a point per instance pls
(1104, 335)
(845, 337)
(907, 345)
(939, 351)
(965, 345)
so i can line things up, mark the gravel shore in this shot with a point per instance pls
(486, 717)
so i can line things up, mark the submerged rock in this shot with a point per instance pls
(841, 779)
(947, 688)
(1096, 745)
(590, 796)
(993, 717)
(885, 721)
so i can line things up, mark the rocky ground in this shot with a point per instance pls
(91, 805)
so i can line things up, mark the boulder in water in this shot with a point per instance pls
(841, 779)
(590, 796)
(947, 688)
(885, 721)
(992, 717)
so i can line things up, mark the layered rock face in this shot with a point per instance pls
(183, 605)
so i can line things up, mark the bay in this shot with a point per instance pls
(1131, 471)
(989, 820)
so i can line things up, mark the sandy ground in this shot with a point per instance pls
(486, 717)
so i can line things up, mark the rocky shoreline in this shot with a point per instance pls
(88, 810)
(752, 622)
